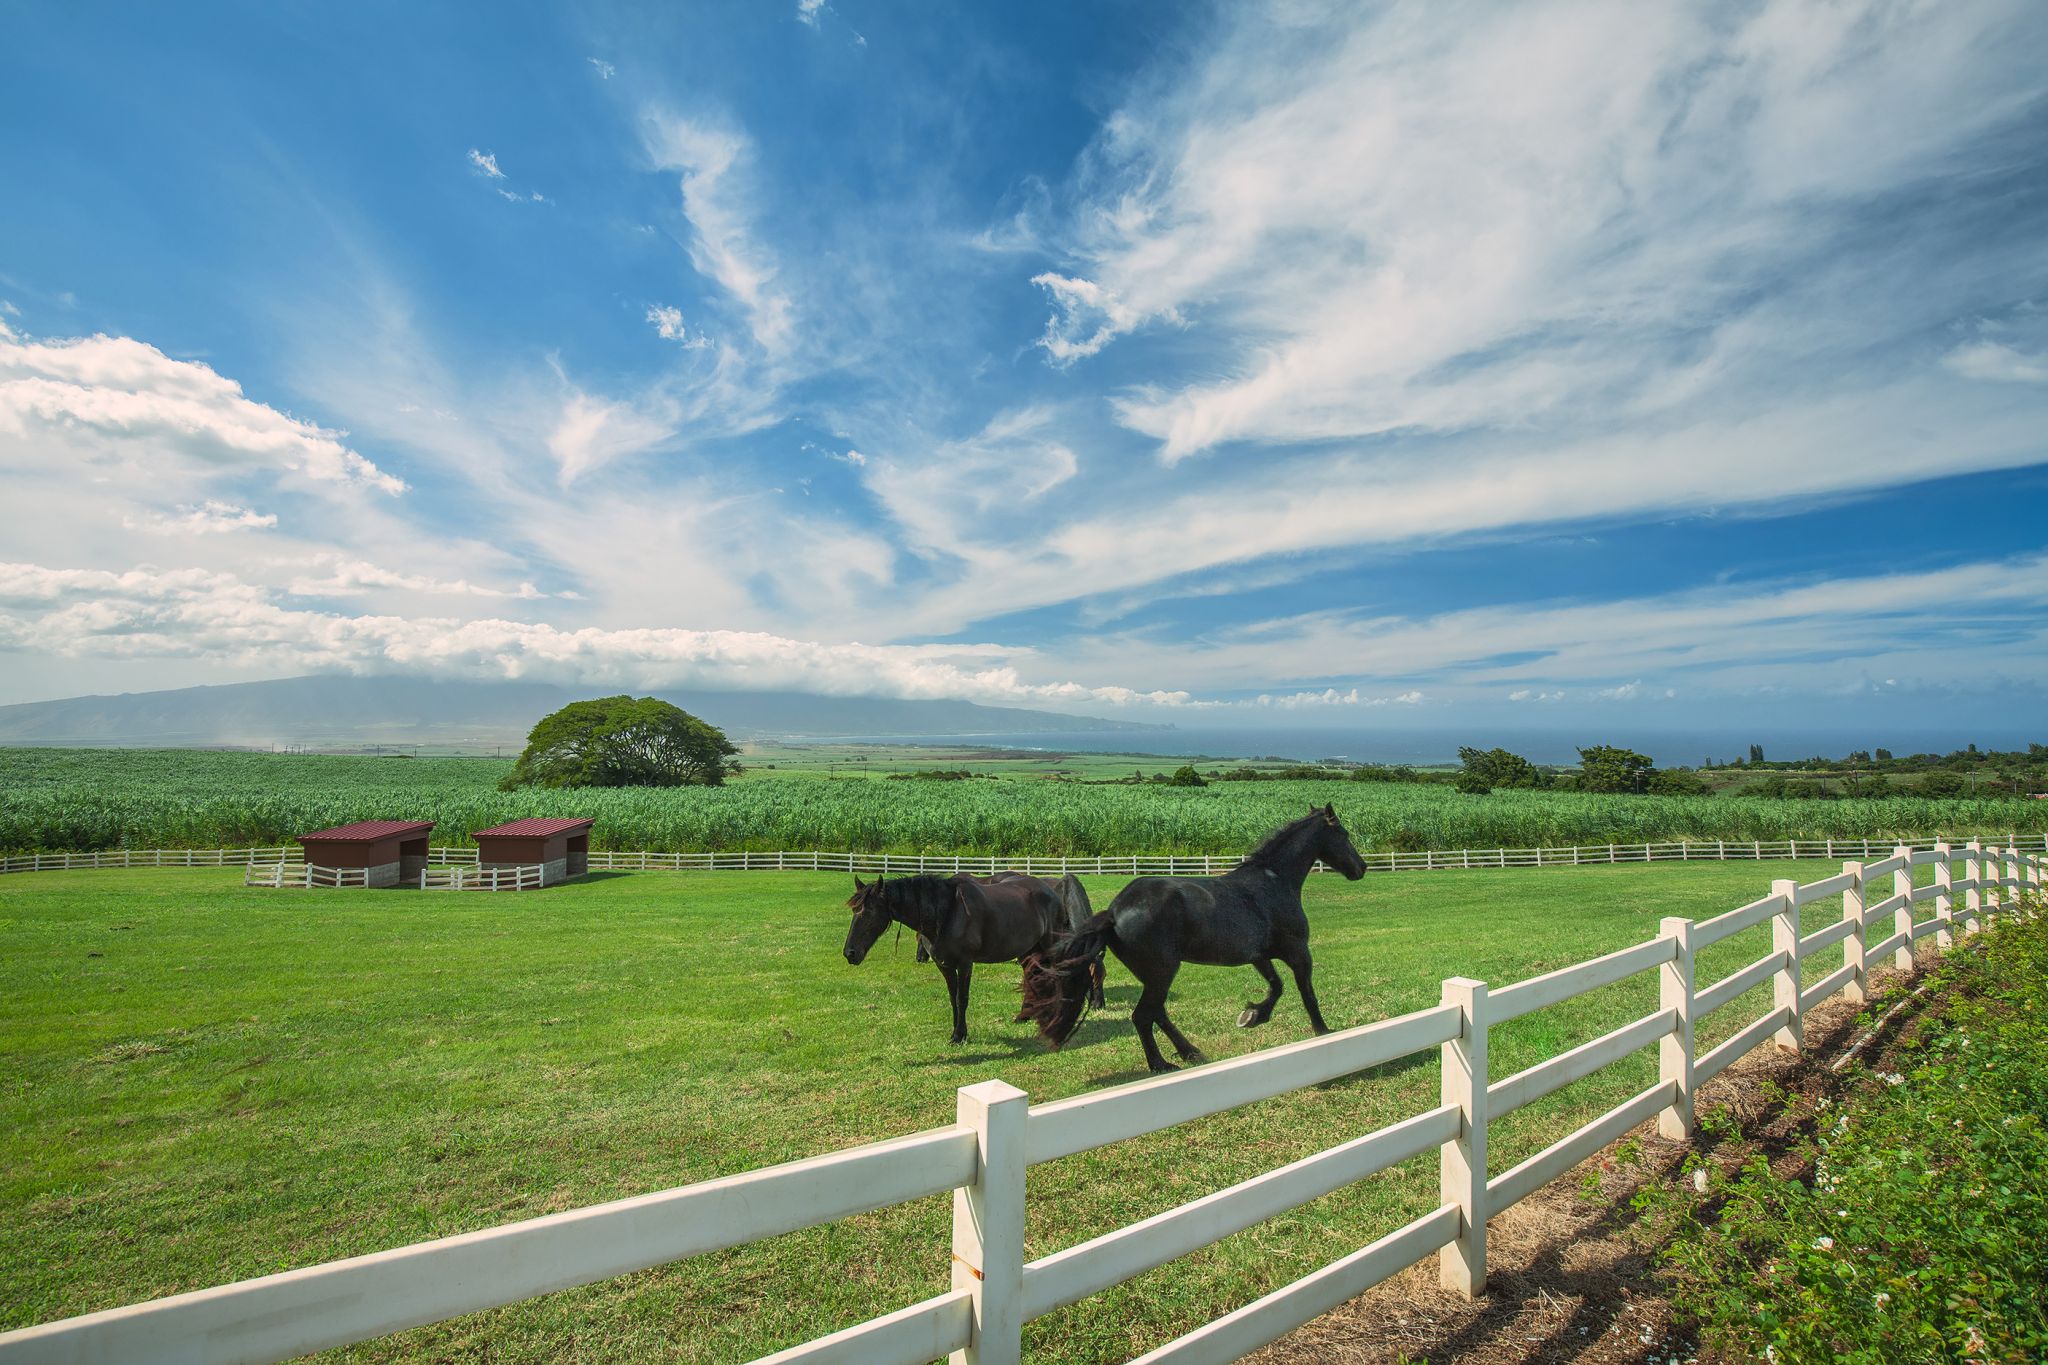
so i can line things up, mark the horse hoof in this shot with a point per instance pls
(1250, 1018)
(1160, 1068)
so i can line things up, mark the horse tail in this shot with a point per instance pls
(1056, 981)
(1074, 897)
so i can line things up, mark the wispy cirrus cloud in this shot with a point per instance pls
(593, 431)
(341, 576)
(1540, 208)
(725, 245)
(1938, 627)
(211, 517)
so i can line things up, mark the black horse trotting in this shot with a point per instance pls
(962, 920)
(1250, 915)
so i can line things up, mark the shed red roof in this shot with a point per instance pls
(535, 829)
(370, 831)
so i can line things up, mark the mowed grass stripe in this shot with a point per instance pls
(207, 1082)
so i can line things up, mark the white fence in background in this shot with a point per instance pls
(997, 1134)
(1108, 864)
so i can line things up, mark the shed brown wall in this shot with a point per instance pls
(506, 848)
(356, 853)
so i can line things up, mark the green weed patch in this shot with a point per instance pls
(1906, 1223)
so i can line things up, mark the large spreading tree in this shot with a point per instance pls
(1609, 768)
(1486, 769)
(623, 742)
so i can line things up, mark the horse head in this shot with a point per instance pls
(871, 916)
(1333, 844)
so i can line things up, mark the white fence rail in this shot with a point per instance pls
(997, 1134)
(1108, 864)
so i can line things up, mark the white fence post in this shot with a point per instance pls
(1674, 1049)
(1461, 1171)
(1944, 899)
(988, 1223)
(1858, 988)
(1902, 917)
(1785, 981)
(1973, 870)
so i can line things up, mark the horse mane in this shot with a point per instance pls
(1270, 847)
(925, 893)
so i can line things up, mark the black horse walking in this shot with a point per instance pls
(1251, 914)
(1070, 891)
(961, 920)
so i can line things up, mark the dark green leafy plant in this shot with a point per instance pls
(1913, 1230)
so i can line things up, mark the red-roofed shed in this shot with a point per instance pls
(387, 850)
(561, 847)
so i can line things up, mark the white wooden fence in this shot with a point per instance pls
(456, 877)
(997, 1134)
(1109, 864)
(303, 874)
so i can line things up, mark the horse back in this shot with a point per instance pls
(1217, 921)
(1005, 916)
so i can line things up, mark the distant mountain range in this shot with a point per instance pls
(343, 711)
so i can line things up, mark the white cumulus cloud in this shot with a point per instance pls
(124, 390)
(151, 613)
(1995, 361)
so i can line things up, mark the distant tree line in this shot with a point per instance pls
(1609, 768)
(1879, 772)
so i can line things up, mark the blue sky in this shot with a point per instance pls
(1376, 364)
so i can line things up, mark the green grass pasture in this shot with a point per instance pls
(205, 1082)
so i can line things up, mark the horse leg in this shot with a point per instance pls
(1187, 1050)
(952, 992)
(964, 974)
(1151, 1009)
(1257, 1012)
(1096, 976)
(1299, 963)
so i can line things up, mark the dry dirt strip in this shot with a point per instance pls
(1569, 1275)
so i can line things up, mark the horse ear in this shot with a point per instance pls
(859, 885)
